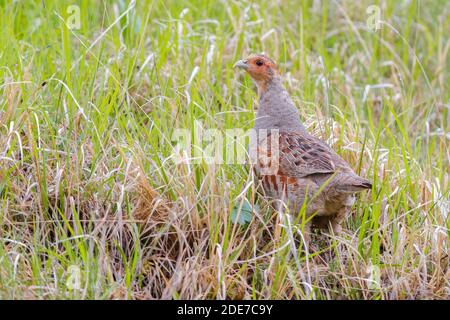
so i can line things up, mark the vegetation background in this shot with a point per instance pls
(92, 205)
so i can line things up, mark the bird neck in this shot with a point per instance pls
(276, 109)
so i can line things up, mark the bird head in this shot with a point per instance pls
(261, 68)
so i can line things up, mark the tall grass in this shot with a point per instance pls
(93, 206)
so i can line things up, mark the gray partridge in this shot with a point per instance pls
(298, 166)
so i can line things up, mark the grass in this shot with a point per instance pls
(92, 205)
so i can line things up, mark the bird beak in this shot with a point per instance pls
(241, 64)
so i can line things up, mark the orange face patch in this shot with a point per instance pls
(261, 68)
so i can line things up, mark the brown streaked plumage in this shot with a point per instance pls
(308, 169)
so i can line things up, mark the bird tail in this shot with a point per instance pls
(352, 183)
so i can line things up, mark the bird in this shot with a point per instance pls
(293, 166)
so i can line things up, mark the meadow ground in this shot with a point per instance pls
(93, 204)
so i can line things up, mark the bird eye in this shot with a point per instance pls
(259, 63)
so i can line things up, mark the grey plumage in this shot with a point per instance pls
(307, 168)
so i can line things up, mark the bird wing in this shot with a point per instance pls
(298, 154)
